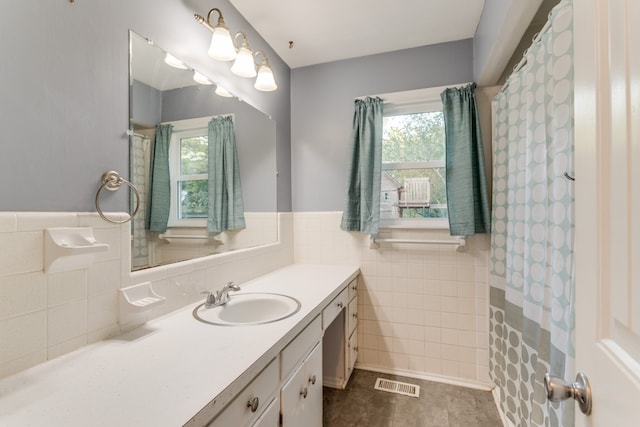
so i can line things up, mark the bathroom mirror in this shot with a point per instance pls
(161, 94)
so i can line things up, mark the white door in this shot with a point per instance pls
(607, 170)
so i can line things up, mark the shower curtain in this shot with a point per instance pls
(532, 258)
(139, 178)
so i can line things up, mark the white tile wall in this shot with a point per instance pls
(423, 309)
(43, 316)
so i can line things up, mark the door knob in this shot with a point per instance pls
(559, 390)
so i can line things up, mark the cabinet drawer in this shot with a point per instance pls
(353, 288)
(299, 347)
(271, 416)
(334, 308)
(352, 315)
(239, 412)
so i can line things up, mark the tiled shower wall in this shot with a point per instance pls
(43, 316)
(423, 309)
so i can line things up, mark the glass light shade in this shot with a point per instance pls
(222, 47)
(221, 91)
(265, 80)
(244, 65)
(174, 62)
(203, 80)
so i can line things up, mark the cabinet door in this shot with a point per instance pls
(353, 352)
(301, 396)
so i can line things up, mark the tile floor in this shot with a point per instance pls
(439, 405)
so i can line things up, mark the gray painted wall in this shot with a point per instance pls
(322, 110)
(64, 93)
(146, 104)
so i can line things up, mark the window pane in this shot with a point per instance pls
(413, 137)
(404, 194)
(194, 199)
(193, 155)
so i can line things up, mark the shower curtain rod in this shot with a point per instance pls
(523, 61)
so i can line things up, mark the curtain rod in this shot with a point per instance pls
(438, 89)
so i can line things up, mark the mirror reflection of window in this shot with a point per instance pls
(160, 93)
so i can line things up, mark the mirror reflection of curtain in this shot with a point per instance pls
(226, 207)
(160, 186)
(140, 155)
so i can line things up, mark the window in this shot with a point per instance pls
(413, 185)
(188, 169)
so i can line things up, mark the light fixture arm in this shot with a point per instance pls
(245, 41)
(265, 60)
(207, 22)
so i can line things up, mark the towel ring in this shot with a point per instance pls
(112, 181)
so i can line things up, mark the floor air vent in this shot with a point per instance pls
(397, 387)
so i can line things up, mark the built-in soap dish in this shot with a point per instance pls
(70, 248)
(137, 299)
(141, 296)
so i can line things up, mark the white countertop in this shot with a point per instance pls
(164, 373)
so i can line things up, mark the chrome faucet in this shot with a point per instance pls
(221, 297)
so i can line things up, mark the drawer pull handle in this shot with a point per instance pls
(304, 393)
(312, 379)
(340, 305)
(355, 315)
(253, 404)
(354, 287)
(355, 349)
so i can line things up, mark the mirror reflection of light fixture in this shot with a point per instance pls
(244, 66)
(200, 78)
(221, 91)
(221, 47)
(265, 81)
(174, 62)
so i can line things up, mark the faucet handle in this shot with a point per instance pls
(211, 298)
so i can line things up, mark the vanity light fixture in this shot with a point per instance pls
(244, 66)
(221, 91)
(174, 62)
(265, 81)
(221, 47)
(200, 78)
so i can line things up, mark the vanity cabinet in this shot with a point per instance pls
(340, 322)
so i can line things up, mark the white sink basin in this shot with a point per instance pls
(249, 309)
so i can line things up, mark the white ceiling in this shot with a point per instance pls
(330, 30)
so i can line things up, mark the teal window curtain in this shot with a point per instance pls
(467, 193)
(362, 211)
(226, 209)
(160, 187)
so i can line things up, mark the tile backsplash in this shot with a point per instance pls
(43, 316)
(423, 309)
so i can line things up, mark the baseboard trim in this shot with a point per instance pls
(428, 377)
(496, 398)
